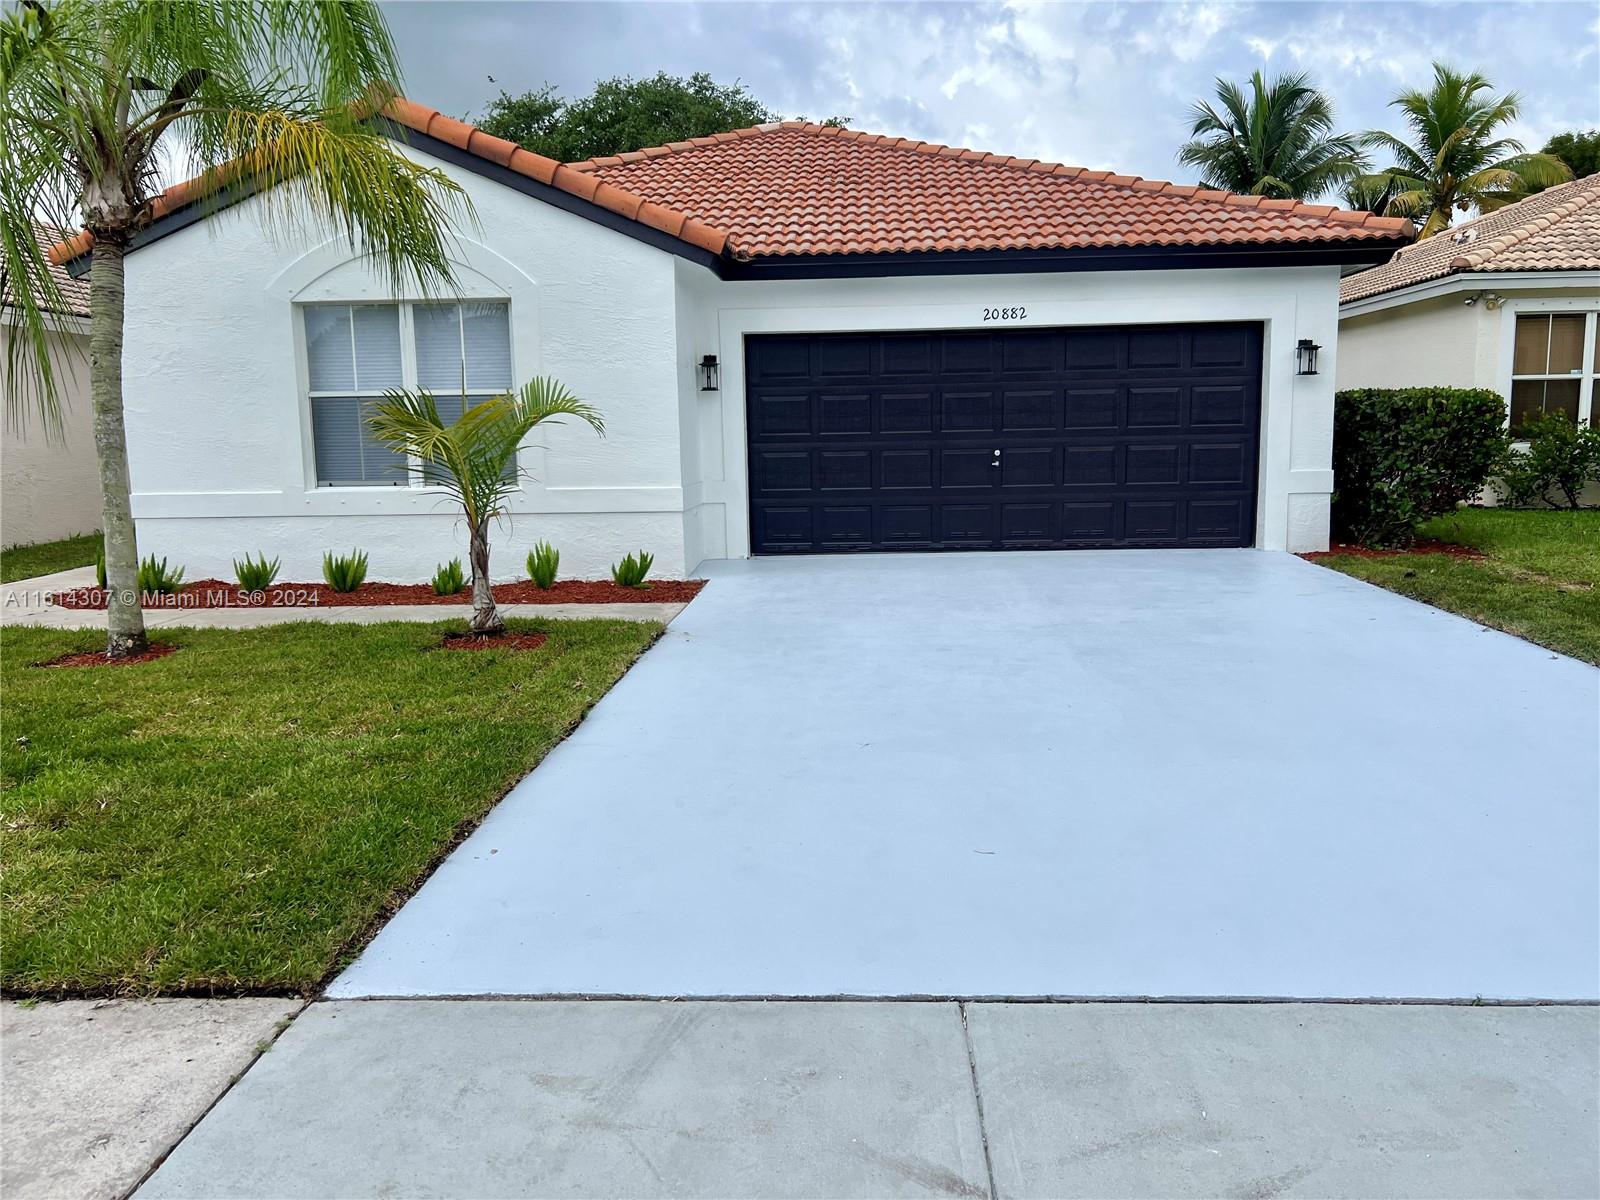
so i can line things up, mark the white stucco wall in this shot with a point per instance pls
(50, 487)
(219, 428)
(220, 436)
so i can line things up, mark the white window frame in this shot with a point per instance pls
(1551, 306)
(414, 479)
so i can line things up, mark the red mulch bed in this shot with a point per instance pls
(505, 641)
(218, 593)
(97, 658)
(1426, 546)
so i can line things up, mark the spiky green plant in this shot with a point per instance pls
(1455, 159)
(475, 459)
(631, 571)
(449, 578)
(156, 578)
(544, 560)
(1276, 140)
(345, 572)
(256, 574)
(264, 92)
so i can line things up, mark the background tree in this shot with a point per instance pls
(1579, 149)
(1368, 193)
(1276, 139)
(1455, 159)
(624, 114)
(473, 460)
(268, 92)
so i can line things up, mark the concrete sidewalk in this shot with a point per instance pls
(22, 603)
(96, 1091)
(790, 1099)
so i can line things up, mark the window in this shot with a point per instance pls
(1553, 366)
(355, 352)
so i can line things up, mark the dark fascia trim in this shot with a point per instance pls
(1366, 252)
(1012, 262)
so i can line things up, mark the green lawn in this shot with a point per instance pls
(1540, 581)
(241, 815)
(44, 558)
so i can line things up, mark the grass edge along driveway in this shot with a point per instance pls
(240, 816)
(46, 558)
(1539, 579)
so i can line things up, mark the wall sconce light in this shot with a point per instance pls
(708, 373)
(1305, 357)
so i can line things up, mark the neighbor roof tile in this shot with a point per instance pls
(1557, 229)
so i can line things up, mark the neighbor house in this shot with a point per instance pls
(49, 479)
(1507, 301)
(803, 340)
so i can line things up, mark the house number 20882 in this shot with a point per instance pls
(1005, 314)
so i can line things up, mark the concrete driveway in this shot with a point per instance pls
(1135, 773)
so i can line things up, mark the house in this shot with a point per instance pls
(1507, 301)
(50, 480)
(803, 340)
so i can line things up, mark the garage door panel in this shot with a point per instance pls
(1028, 467)
(1218, 462)
(845, 527)
(781, 415)
(901, 470)
(1154, 408)
(1144, 436)
(844, 470)
(1089, 466)
(1092, 407)
(969, 523)
(1026, 409)
(966, 468)
(908, 524)
(966, 412)
(844, 413)
(784, 471)
(905, 412)
(1031, 524)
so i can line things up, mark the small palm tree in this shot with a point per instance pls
(1276, 141)
(1455, 160)
(473, 460)
(266, 94)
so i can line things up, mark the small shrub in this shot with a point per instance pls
(630, 572)
(346, 572)
(449, 579)
(1402, 455)
(1561, 458)
(543, 561)
(158, 578)
(100, 567)
(256, 574)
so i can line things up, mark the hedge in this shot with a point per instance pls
(1403, 455)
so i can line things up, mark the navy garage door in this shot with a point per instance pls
(1027, 439)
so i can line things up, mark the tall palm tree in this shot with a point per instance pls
(1277, 140)
(1455, 160)
(472, 458)
(268, 95)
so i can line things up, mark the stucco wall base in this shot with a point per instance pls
(407, 549)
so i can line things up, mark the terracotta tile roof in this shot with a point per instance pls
(74, 291)
(797, 189)
(1554, 230)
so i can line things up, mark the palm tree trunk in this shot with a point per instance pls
(124, 617)
(485, 616)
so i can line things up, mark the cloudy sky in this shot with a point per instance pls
(1095, 85)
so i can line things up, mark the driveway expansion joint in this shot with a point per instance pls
(977, 1100)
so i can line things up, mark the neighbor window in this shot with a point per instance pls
(1553, 367)
(356, 352)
